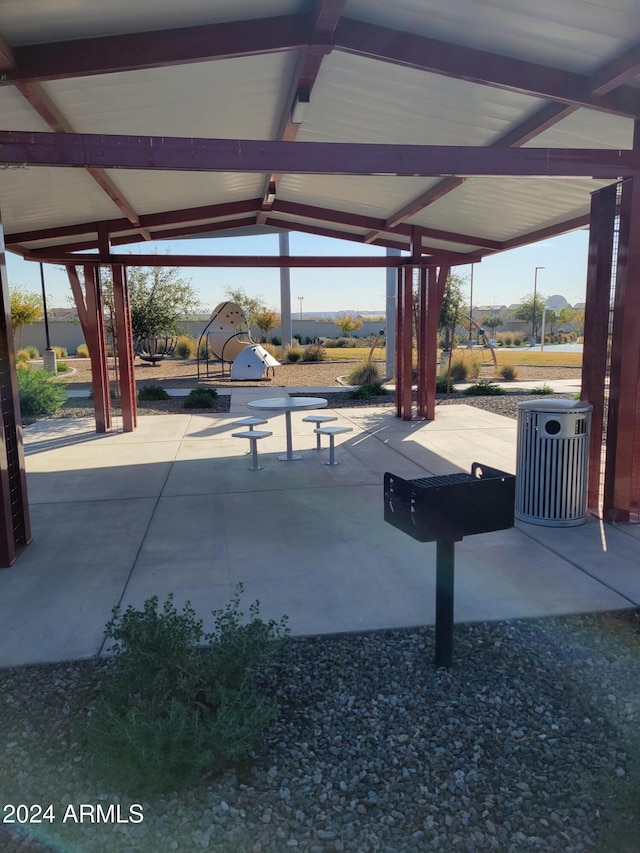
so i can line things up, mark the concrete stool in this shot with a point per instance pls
(250, 422)
(253, 435)
(332, 431)
(317, 420)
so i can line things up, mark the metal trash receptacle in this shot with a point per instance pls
(552, 462)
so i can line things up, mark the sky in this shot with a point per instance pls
(503, 279)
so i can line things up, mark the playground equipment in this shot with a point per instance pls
(226, 338)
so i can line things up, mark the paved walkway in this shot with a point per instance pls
(173, 507)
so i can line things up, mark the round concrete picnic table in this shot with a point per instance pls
(288, 405)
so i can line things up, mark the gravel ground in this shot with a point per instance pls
(528, 743)
(525, 744)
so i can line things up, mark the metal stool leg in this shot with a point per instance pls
(254, 455)
(318, 441)
(332, 451)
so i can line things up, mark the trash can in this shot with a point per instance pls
(552, 462)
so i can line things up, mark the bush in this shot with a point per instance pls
(186, 347)
(459, 371)
(292, 354)
(60, 352)
(484, 388)
(314, 353)
(442, 385)
(201, 398)
(364, 374)
(33, 352)
(152, 392)
(276, 341)
(169, 711)
(82, 351)
(367, 390)
(23, 356)
(348, 343)
(40, 394)
(61, 367)
(508, 372)
(542, 389)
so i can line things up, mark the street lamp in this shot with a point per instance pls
(300, 298)
(533, 312)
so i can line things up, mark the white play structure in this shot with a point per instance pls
(226, 338)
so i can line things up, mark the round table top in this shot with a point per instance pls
(284, 404)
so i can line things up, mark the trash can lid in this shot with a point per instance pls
(550, 404)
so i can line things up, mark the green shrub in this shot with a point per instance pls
(292, 354)
(60, 352)
(185, 347)
(82, 351)
(23, 356)
(484, 388)
(364, 373)
(152, 392)
(459, 371)
(33, 352)
(508, 372)
(367, 390)
(169, 711)
(276, 341)
(442, 385)
(40, 394)
(201, 398)
(542, 389)
(62, 367)
(314, 353)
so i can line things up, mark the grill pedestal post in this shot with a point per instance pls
(444, 603)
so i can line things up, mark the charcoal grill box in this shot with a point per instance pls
(446, 508)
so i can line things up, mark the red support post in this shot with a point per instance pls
(15, 528)
(407, 344)
(89, 305)
(621, 483)
(433, 313)
(423, 360)
(399, 335)
(125, 353)
(596, 330)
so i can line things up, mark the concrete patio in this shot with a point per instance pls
(173, 507)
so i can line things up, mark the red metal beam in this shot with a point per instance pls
(125, 355)
(152, 220)
(480, 66)
(621, 495)
(229, 261)
(331, 158)
(325, 19)
(161, 48)
(15, 529)
(549, 231)
(596, 330)
(36, 96)
(360, 221)
(7, 59)
(606, 78)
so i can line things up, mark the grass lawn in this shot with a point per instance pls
(504, 355)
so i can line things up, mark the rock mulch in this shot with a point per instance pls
(525, 744)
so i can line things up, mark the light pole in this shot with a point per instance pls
(533, 312)
(300, 298)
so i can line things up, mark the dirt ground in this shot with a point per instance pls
(178, 373)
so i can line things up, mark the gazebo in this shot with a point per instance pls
(446, 130)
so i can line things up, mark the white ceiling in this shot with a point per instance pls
(354, 99)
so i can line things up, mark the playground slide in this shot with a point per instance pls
(229, 340)
(228, 331)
